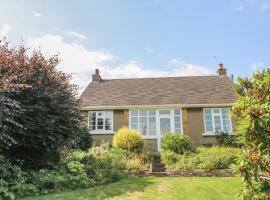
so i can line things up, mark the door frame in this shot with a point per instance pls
(164, 116)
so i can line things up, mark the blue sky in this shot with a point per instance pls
(142, 38)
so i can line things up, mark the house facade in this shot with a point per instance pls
(196, 106)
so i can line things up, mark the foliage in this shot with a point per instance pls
(38, 108)
(227, 140)
(13, 181)
(83, 139)
(202, 158)
(253, 113)
(128, 139)
(176, 143)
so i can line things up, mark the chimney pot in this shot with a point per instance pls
(222, 71)
(96, 76)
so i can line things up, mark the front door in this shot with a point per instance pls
(165, 125)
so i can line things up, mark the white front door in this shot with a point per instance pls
(165, 125)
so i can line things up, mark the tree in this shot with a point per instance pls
(12, 78)
(48, 117)
(253, 113)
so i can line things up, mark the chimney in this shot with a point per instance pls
(222, 71)
(96, 77)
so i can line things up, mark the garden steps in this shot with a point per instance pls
(157, 166)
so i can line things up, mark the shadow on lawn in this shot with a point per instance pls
(122, 187)
(116, 189)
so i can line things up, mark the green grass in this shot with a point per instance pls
(168, 188)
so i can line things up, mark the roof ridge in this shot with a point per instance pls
(163, 77)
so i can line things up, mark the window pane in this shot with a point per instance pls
(152, 113)
(143, 113)
(177, 119)
(217, 122)
(177, 125)
(176, 112)
(143, 131)
(152, 122)
(143, 123)
(165, 125)
(217, 111)
(207, 111)
(227, 128)
(164, 112)
(208, 117)
(152, 132)
(134, 112)
(100, 123)
(225, 111)
(92, 121)
(134, 120)
(134, 126)
(100, 114)
(108, 120)
(209, 128)
(226, 123)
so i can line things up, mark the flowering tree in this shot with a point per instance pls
(253, 113)
(39, 114)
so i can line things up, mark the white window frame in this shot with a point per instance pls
(158, 116)
(213, 121)
(101, 131)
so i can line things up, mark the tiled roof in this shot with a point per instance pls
(159, 91)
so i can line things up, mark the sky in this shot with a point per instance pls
(143, 38)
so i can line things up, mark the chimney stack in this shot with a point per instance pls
(96, 77)
(222, 71)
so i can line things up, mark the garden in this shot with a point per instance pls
(46, 152)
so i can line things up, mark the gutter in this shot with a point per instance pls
(156, 106)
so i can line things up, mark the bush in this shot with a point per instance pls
(226, 140)
(128, 139)
(82, 140)
(203, 158)
(176, 143)
(13, 181)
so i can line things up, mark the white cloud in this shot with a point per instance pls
(76, 35)
(36, 14)
(265, 7)
(5, 29)
(187, 69)
(256, 66)
(81, 61)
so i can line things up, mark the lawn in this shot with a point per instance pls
(168, 188)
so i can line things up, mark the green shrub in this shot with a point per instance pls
(82, 140)
(202, 158)
(176, 143)
(13, 181)
(128, 139)
(227, 140)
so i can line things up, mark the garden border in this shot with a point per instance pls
(183, 173)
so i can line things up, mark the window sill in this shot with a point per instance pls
(101, 133)
(213, 134)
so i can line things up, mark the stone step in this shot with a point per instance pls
(157, 166)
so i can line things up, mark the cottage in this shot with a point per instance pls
(196, 106)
